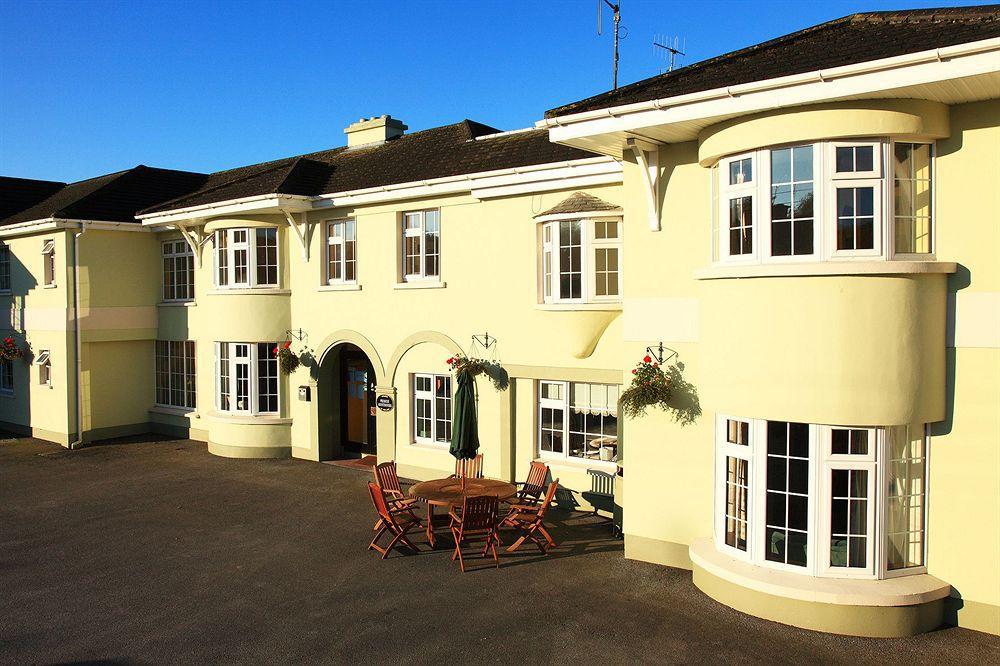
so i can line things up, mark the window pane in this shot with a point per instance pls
(741, 226)
(267, 257)
(912, 197)
(849, 518)
(222, 258)
(787, 505)
(905, 502)
(570, 268)
(791, 201)
(737, 489)
(267, 377)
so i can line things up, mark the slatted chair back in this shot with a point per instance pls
(479, 514)
(381, 506)
(534, 486)
(387, 479)
(550, 493)
(469, 469)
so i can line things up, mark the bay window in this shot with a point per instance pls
(836, 200)
(421, 245)
(246, 377)
(805, 497)
(581, 260)
(432, 409)
(341, 252)
(577, 421)
(178, 271)
(246, 258)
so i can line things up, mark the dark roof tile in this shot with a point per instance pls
(17, 194)
(580, 202)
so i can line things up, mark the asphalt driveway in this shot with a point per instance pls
(156, 551)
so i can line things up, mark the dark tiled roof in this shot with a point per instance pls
(580, 202)
(115, 197)
(435, 153)
(16, 194)
(848, 40)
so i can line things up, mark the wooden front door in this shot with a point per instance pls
(357, 402)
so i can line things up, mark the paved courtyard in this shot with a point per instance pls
(156, 551)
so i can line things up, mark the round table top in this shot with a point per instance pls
(446, 492)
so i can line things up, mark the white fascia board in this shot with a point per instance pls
(51, 224)
(874, 76)
(576, 182)
(258, 203)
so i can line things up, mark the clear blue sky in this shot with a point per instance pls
(89, 87)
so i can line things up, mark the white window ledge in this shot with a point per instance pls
(421, 284)
(177, 304)
(49, 286)
(900, 591)
(173, 411)
(347, 286)
(879, 267)
(252, 291)
(427, 446)
(249, 419)
(579, 307)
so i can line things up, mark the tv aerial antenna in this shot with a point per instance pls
(664, 46)
(620, 32)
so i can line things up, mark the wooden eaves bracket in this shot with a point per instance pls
(302, 230)
(195, 237)
(647, 156)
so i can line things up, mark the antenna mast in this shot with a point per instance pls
(672, 50)
(617, 17)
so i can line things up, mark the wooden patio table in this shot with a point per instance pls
(449, 492)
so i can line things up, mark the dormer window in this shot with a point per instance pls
(580, 251)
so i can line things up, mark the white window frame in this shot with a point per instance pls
(5, 284)
(856, 462)
(883, 485)
(169, 253)
(250, 247)
(348, 227)
(589, 245)
(189, 360)
(251, 360)
(726, 193)
(44, 363)
(878, 159)
(724, 450)
(566, 405)
(764, 225)
(878, 227)
(6, 376)
(419, 231)
(432, 397)
(890, 197)
(49, 262)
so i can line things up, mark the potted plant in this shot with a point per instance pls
(288, 361)
(9, 349)
(651, 387)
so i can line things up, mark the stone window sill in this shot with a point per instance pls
(177, 304)
(421, 284)
(579, 307)
(347, 286)
(255, 291)
(813, 268)
(901, 591)
(249, 419)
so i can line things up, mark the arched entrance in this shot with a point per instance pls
(346, 403)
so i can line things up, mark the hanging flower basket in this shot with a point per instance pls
(472, 366)
(651, 387)
(287, 360)
(9, 350)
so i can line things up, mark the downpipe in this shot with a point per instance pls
(78, 344)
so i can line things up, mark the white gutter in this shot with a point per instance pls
(49, 223)
(204, 210)
(817, 76)
(78, 343)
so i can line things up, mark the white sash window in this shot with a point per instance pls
(246, 258)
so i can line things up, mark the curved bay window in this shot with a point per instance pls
(246, 377)
(581, 260)
(840, 501)
(246, 258)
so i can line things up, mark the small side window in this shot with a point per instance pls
(49, 262)
(44, 364)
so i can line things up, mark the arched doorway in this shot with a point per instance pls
(346, 403)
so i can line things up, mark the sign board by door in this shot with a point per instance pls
(384, 403)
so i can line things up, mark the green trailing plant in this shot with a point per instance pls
(9, 350)
(651, 387)
(288, 361)
(473, 366)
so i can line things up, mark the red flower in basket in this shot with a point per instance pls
(646, 359)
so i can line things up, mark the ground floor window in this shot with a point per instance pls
(577, 420)
(175, 373)
(432, 409)
(6, 376)
(803, 497)
(246, 377)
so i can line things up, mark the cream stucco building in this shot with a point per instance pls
(807, 227)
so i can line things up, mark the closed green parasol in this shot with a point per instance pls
(465, 429)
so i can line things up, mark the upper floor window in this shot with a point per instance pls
(577, 421)
(44, 363)
(432, 409)
(4, 267)
(246, 258)
(832, 200)
(246, 377)
(178, 271)
(341, 252)
(175, 373)
(421, 245)
(803, 497)
(49, 262)
(581, 260)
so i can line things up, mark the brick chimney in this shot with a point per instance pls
(377, 129)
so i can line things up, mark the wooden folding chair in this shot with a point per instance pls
(527, 520)
(396, 523)
(477, 522)
(469, 469)
(533, 487)
(388, 481)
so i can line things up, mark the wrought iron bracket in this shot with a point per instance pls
(657, 353)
